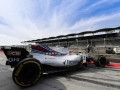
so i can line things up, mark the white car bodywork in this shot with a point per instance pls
(57, 56)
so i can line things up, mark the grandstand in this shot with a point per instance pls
(100, 40)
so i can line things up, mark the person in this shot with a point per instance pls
(58, 45)
(88, 48)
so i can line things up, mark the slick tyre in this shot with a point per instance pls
(27, 72)
(100, 61)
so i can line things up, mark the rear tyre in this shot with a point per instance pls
(100, 61)
(108, 62)
(27, 72)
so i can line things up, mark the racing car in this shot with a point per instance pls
(30, 66)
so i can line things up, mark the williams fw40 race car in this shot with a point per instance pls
(29, 67)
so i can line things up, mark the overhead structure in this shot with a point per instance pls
(108, 32)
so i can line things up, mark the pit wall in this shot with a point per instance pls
(94, 50)
(97, 51)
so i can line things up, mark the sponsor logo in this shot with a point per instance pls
(50, 58)
(13, 59)
(71, 62)
(53, 53)
(14, 53)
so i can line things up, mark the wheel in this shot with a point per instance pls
(27, 72)
(108, 62)
(100, 61)
(85, 64)
(109, 50)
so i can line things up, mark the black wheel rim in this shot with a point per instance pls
(102, 61)
(28, 74)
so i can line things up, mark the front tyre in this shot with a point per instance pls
(100, 61)
(27, 72)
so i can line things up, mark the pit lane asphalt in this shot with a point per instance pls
(90, 78)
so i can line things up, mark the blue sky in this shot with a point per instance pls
(22, 20)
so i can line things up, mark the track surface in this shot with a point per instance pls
(90, 78)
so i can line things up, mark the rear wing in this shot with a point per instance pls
(15, 55)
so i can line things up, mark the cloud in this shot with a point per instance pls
(5, 39)
(99, 5)
(22, 20)
(97, 22)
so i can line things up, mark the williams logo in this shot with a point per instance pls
(71, 62)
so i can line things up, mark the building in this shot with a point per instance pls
(99, 40)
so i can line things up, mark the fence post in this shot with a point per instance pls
(104, 42)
